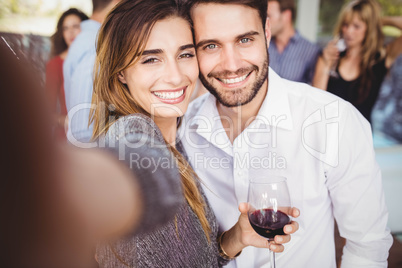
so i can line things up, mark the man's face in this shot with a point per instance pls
(275, 17)
(231, 50)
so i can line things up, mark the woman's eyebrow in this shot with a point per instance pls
(152, 51)
(186, 46)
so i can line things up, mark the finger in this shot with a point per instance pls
(295, 212)
(276, 248)
(291, 228)
(281, 239)
(243, 208)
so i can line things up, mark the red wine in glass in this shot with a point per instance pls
(269, 207)
(268, 223)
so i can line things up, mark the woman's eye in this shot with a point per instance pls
(150, 61)
(186, 55)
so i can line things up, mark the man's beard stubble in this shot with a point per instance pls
(237, 96)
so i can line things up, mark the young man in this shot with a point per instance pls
(78, 73)
(255, 123)
(291, 56)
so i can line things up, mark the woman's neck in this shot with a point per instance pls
(354, 52)
(63, 54)
(168, 128)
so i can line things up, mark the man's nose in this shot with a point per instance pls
(230, 59)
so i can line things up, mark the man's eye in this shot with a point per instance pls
(244, 40)
(210, 46)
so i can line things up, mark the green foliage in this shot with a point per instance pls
(20, 7)
(391, 7)
(329, 10)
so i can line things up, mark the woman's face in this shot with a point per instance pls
(164, 77)
(354, 31)
(71, 28)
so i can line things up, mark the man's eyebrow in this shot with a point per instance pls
(251, 33)
(214, 41)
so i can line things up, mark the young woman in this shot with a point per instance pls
(356, 73)
(68, 27)
(146, 72)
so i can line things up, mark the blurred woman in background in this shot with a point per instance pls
(356, 71)
(68, 27)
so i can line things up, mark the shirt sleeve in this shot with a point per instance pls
(79, 95)
(137, 142)
(355, 187)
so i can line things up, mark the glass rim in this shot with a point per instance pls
(268, 179)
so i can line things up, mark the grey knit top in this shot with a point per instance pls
(181, 242)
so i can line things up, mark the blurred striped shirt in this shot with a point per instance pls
(78, 80)
(297, 61)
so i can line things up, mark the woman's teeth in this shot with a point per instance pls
(168, 95)
(234, 80)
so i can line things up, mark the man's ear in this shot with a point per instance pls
(268, 30)
(122, 78)
(287, 14)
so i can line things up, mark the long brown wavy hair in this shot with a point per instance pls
(373, 45)
(58, 43)
(121, 42)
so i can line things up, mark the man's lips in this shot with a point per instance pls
(235, 81)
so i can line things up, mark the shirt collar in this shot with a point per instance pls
(207, 109)
(296, 37)
(274, 111)
(90, 25)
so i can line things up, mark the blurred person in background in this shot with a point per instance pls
(78, 73)
(387, 112)
(146, 72)
(58, 201)
(290, 55)
(68, 27)
(356, 73)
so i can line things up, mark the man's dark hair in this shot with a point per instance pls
(98, 5)
(259, 5)
(287, 5)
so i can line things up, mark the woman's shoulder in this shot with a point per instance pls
(134, 123)
(55, 60)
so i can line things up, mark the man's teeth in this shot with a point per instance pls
(169, 95)
(234, 80)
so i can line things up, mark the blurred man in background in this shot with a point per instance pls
(291, 56)
(78, 73)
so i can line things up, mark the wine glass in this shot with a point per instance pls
(341, 46)
(269, 207)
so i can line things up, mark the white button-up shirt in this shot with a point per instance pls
(323, 146)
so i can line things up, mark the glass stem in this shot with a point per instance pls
(272, 258)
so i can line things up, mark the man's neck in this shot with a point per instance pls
(236, 119)
(100, 15)
(282, 39)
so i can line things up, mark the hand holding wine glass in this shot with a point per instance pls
(269, 207)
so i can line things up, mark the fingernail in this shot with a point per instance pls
(288, 229)
(272, 247)
(279, 239)
(297, 213)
